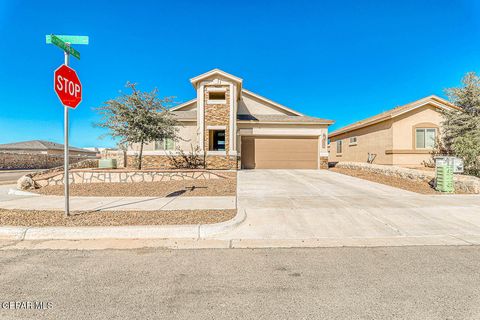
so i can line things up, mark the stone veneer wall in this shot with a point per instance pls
(150, 162)
(222, 162)
(125, 176)
(217, 115)
(323, 162)
(34, 161)
(463, 183)
(163, 162)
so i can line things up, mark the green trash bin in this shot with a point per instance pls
(107, 163)
(444, 178)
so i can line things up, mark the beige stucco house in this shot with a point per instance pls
(236, 128)
(403, 136)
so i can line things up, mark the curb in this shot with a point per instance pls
(12, 233)
(212, 243)
(194, 232)
(205, 230)
(22, 193)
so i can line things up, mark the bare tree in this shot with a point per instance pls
(138, 117)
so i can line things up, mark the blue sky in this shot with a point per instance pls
(341, 60)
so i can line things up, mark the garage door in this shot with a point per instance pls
(279, 152)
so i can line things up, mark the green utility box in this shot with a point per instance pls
(444, 179)
(445, 166)
(107, 163)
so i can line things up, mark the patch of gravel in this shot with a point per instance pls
(405, 184)
(112, 218)
(186, 188)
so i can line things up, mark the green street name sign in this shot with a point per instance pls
(69, 39)
(63, 45)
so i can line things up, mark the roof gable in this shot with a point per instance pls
(249, 104)
(255, 101)
(185, 106)
(216, 72)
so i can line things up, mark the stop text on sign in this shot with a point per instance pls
(67, 86)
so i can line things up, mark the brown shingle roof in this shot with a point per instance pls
(185, 115)
(393, 113)
(281, 118)
(192, 115)
(39, 145)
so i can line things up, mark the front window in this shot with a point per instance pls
(339, 146)
(217, 140)
(353, 141)
(165, 144)
(216, 97)
(425, 138)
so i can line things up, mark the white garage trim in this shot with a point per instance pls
(281, 132)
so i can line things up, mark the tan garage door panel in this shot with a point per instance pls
(286, 153)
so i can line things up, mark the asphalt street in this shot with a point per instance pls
(11, 176)
(327, 283)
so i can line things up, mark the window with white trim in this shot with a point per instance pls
(216, 97)
(425, 138)
(353, 141)
(339, 146)
(216, 140)
(165, 144)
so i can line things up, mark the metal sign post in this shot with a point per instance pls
(66, 158)
(69, 90)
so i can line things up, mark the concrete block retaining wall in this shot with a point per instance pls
(125, 176)
(84, 164)
(463, 183)
(34, 161)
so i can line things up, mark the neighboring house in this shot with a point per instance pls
(43, 147)
(403, 136)
(235, 128)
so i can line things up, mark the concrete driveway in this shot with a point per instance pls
(313, 204)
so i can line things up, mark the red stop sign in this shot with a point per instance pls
(67, 86)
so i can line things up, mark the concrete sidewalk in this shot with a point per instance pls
(119, 203)
(6, 193)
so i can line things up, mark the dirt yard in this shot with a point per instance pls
(186, 188)
(112, 218)
(406, 184)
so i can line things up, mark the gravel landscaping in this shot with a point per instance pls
(186, 188)
(406, 184)
(112, 218)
